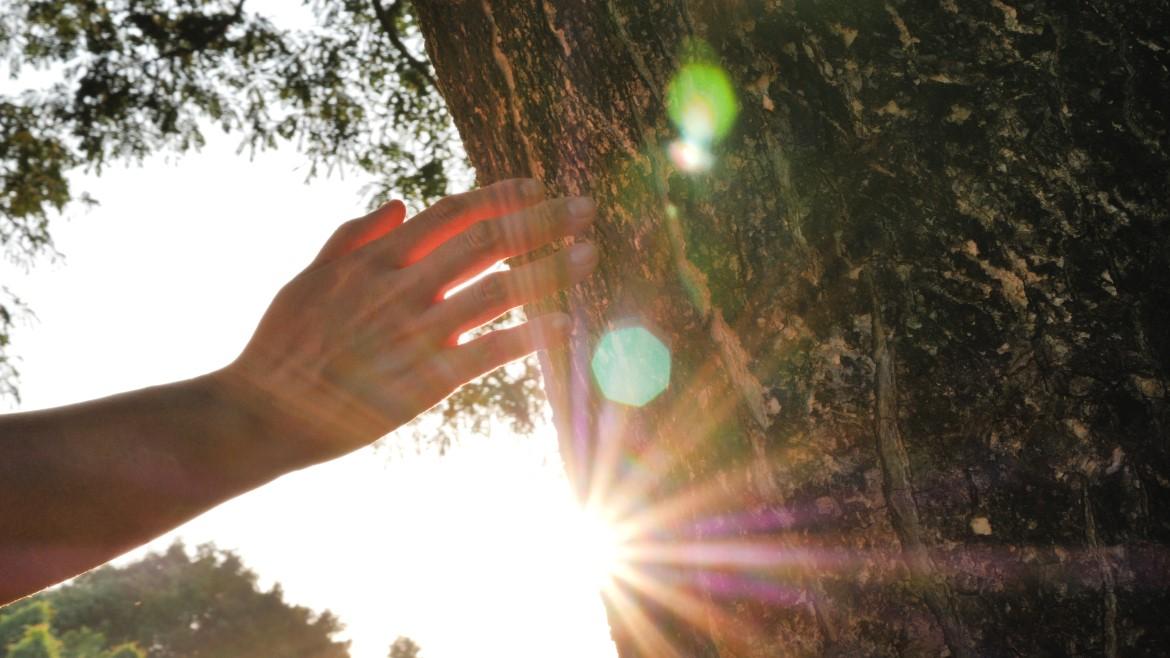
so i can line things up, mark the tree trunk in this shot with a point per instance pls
(917, 312)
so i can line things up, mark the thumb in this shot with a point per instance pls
(356, 233)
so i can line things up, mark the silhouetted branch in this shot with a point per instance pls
(386, 16)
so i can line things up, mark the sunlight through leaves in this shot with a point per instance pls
(631, 366)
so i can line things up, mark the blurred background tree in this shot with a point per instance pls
(404, 647)
(133, 78)
(169, 605)
(27, 633)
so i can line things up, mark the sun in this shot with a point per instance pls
(597, 545)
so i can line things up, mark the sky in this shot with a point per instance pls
(477, 553)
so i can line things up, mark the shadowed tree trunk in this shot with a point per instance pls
(918, 311)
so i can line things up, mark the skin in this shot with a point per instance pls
(360, 342)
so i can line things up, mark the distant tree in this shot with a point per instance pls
(124, 651)
(85, 643)
(179, 604)
(404, 647)
(37, 642)
(26, 632)
(15, 620)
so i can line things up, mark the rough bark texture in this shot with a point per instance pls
(919, 313)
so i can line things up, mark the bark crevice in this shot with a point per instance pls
(1108, 581)
(899, 491)
(535, 167)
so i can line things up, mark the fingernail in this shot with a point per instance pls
(531, 188)
(583, 254)
(581, 206)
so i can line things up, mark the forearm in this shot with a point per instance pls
(82, 484)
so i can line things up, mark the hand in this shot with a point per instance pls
(365, 339)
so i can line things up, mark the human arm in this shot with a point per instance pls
(356, 345)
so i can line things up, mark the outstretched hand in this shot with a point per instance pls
(366, 338)
(362, 341)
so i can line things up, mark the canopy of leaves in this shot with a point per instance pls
(26, 632)
(141, 77)
(171, 604)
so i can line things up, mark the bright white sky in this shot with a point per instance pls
(477, 553)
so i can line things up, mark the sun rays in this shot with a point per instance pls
(660, 535)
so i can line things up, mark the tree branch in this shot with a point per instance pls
(386, 16)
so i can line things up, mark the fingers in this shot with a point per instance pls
(493, 295)
(464, 363)
(356, 233)
(488, 241)
(451, 215)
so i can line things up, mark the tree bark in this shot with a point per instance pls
(917, 310)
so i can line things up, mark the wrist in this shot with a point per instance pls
(260, 437)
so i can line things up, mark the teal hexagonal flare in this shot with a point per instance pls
(631, 366)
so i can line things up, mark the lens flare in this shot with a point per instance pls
(701, 102)
(599, 546)
(631, 366)
(690, 157)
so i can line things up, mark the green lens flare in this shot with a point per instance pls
(631, 366)
(701, 102)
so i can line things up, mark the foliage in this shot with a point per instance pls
(512, 392)
(26, 631)
(125, 651)
(404, 647)
(37, 642)
(170, 604)
(14, 622)
(181, 604)
(10, 307)
(139, 77)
